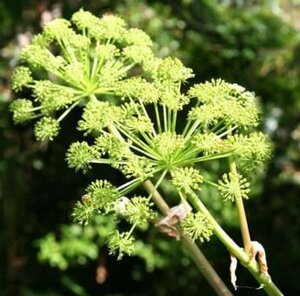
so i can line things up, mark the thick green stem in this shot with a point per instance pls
(205, 267)
(235, 250)
(191, 248)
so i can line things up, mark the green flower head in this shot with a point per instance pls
(46, 128)
(233, 186)
(20, 78)
(80, 155)
(103, 193)
(197, 226)
(22, 110)
(186, 178)
(120, 244)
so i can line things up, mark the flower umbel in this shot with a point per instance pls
(131, 105)
(120, 244)
(80, 155)
(233, 186)
(197, 226)
(46, 128)
(186, 178)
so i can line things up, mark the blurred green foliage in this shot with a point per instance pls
(253, 43)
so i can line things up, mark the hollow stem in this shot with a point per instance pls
(234, 249)
(242, 216)
(190, 247)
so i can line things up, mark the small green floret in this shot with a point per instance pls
(106, 51)
(138, 88)
(172, 70)
(110, 27)
(206, 114)
(140, 54)
(58, 29)
(140, 124)
(208, 143)
(46, 128)
(120, 243)
(215, 90)
(233, 186)
(75, 73)
(103, 193)
(138, 167)
(39, 57)
(173, 99)
(114, 147)
(224, 101)
(98, 115)
(138, 211)
(197, 226)
(187, 178)
(250, 150)
(21, 77)
(136, 36)
(79, 156)
(84, 212)
(52, 97)
(22, 110)
(167, 144)
(84, 19)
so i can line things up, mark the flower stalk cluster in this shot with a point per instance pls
(131, 102)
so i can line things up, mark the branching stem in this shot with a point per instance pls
(192, 249)
(234, 249)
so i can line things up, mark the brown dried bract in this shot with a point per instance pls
(168, 223)
(257, 252)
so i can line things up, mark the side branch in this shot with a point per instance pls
(191, 248)
(235, 250)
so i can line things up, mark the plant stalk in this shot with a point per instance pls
(235, 250)
(242, 216)
(191, 248)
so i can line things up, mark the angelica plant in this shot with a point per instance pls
(131, 101)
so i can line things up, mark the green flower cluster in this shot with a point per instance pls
(131, 103)
(233, 186)
(186, 178)
(197, 226)
(137, 211)
(100, 197)
(220, 101)
(121, 243)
